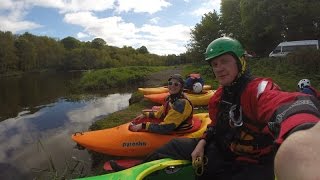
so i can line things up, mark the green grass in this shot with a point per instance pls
(286, 72)
(98, 80)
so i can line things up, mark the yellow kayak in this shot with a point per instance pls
(201, 99)
(163, 89)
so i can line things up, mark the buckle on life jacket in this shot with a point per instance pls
(233, 121)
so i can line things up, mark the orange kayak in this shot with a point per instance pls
(163, 89)
(196, 99)
(119, 141)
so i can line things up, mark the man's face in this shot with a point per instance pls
(225, 69)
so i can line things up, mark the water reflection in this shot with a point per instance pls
(30, 90)
(30, 139)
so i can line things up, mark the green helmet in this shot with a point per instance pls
(223, 45)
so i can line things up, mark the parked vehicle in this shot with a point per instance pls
(287, 47)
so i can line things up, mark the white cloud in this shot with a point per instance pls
(154, 20)
(176, 32)
(207, 6)
(74, 5)
(6, 4)
(16, 26)
(140, 6)
(17, 10)
(165, 40)
(81, 35)
(88, 5)
(115, 31)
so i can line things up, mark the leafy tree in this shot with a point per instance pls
(203, 33)
(8, 58)
(262, 24)
(231, 19)
(301, 19)
(70, 43)
(143, 50)
(98, 43)
(26, 53)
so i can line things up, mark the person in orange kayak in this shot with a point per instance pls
(251, 117)
(175, 114)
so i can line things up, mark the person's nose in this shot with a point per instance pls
(217, 68)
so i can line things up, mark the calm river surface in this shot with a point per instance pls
(37, 118)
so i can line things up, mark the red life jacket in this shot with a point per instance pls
(267, 115)
(247, 142)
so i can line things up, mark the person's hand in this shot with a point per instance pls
(136, 127)
(298, 156)
(198, 150)
(141, 116)
(138, 119)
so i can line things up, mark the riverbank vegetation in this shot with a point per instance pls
(103, 79)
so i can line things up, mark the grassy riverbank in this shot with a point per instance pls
(98, 80)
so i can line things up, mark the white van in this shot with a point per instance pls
(285, 48)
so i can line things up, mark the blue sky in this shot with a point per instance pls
(163, 26)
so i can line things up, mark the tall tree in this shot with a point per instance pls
(8, 58)
(262, 24)
(70, 43)
(98, 43)
(26, 53)
(143, 50)
(203, 33)
(231, 19)
(301, 19)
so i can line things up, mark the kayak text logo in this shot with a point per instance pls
(134, 144)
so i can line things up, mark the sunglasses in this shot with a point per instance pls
(170, 83)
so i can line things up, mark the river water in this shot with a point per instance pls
(37, 118)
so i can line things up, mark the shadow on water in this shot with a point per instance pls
(7, 170)
(30, 92)
(38, 114)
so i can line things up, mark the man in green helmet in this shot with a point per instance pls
(250, 116)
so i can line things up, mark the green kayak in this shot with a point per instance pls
(154, 170)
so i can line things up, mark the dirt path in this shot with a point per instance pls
(159, 78)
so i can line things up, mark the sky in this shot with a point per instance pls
(163, 26)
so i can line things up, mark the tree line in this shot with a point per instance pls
(28, 52)
(259, 25)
